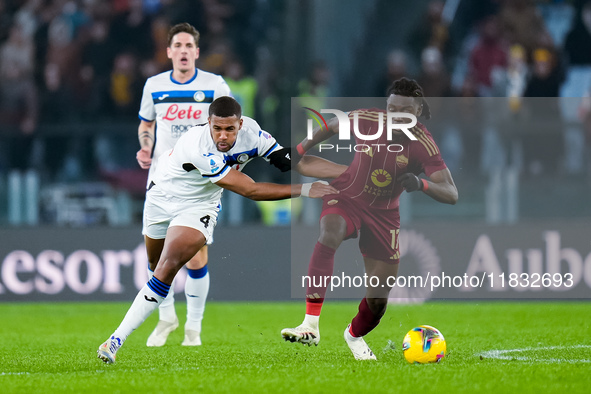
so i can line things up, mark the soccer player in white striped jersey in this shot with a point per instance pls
(182, 202)
(173, 102)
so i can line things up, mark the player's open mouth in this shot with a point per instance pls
(184, 60)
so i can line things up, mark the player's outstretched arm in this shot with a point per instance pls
(319, 134)
(317, 167)
(440, 186)
(261, 191)
(145, 134)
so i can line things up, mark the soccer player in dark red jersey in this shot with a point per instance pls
(367, 206)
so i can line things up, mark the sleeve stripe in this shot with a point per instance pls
(426, 141)
(369, 114)
(427, 148)
(224, 168)
(429, 143)
(144, 119)
(376, 119)
(270, 149)
(432, 144)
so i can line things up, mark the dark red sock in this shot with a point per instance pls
(321, 265)
(365, 321)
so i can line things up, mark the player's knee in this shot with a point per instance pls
(330, 239)
(197, 262)
(168, 268)
(152, 262)
(377, 305)
(332, 234)
(152, 265)
(333, 230)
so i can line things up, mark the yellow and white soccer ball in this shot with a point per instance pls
(423, 345)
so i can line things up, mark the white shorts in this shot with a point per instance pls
(162, 212)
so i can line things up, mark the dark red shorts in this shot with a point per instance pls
(377, 229)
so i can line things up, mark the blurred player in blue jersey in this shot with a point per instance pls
(173, 102)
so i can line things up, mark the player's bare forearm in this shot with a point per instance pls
(244, 185)
(321, 134)
(317, 167)
(441, 187)
(261, 191)
(146, 135)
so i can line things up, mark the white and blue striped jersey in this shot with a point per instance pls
(190, 170)
(176, 107)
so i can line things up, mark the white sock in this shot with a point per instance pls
(144, 304)
(196, 291)
(166, 309)
(311, 321)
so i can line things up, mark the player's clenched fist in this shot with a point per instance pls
(410, 182)
(144, 158)
(317, 189)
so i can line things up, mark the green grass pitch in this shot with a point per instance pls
(532, 347)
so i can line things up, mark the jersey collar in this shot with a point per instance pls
(184, 83)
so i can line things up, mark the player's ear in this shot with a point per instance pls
(420, 110)
(197, 57)
(241, 121)
(169, 52)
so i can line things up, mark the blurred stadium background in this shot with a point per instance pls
(509, 81)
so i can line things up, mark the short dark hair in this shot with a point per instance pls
(183, 28)
(225, 107)
(410, 88)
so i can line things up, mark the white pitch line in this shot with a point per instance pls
(176, 369)
(13, 373)
(502, 354)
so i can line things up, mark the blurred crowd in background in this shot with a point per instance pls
(67, 62)
(504, 48)
(72, 72)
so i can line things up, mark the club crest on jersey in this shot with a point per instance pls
(381, 178)
(199, 96)
(401, 161)
(242, 158)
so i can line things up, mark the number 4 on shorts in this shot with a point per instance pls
(205, 220)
